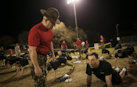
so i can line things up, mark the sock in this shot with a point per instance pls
(124, 69)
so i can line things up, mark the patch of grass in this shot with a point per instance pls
(78, 76)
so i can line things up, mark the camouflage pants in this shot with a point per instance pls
(40, 81)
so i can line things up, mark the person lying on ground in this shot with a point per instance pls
(124, 53)
(102, 70)
(2, 58)
(57, 63)
(19, 62)
(105, 51)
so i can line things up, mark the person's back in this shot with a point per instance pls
(129, 50)
(121, 54)
(55, 64)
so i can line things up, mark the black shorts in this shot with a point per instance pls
(62, 60)
(55, 64)
(116, 79)
(23, 62)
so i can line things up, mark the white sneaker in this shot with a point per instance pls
(66, 75)
(117, 69)
(124, 69)
(68, 80)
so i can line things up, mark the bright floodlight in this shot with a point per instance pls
(72, 1)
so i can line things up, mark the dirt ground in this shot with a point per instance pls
(78, 77)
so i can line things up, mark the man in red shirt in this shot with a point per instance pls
(78, 45)
(102, 40)
(10, 52)
(78, 42)
(64, 45)
(40, 43)
(87, 44)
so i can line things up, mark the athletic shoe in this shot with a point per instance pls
(68, 80)
(117, 69)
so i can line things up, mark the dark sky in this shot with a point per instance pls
(94, 16)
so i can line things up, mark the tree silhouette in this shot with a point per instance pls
(61, 32)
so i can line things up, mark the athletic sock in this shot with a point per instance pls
(125, 70)
(117, 69)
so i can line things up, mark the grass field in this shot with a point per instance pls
(78, 76)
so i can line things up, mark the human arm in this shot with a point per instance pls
(34, 60)
(89, 75)
(89, 80)
(52, 51)
(109, 80)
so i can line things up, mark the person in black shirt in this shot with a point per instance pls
(2, 56)
(57, 63)
(102, 70)
(19, 62)
(124, 53)
(119, 54)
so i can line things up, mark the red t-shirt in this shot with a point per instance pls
(63, 44)
(10, 51)
(102, 40)
(87, 43)
(78, 43)
(41, 38)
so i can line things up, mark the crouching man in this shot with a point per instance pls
(102, 70)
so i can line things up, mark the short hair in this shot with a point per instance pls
(94, 54)
(119, 51)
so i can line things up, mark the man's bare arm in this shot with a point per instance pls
(89, 80)
(109, 80)
(52, 50)
(33, 57)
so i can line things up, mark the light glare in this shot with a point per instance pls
(72, 1)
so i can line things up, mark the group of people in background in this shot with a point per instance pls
(77, 45)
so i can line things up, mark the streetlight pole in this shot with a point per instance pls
(75, 14)
(118, 38)
(76, 23)
(117, 29)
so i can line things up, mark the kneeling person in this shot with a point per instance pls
(103, 71)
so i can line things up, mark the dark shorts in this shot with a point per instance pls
(24, 62)
(62, 60)
(58, 62)
(116, 79)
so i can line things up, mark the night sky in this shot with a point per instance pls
(94, 16)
